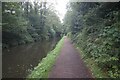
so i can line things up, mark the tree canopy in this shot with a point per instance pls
(28, 22)
(95, 27)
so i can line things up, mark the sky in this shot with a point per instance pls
(60, 6)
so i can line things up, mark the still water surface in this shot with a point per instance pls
(18, 61)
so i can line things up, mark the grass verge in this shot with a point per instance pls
(92, 65)
(44, 67)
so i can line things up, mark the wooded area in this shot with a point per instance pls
(25, 22)
(95, 28)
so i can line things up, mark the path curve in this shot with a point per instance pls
(69, 63)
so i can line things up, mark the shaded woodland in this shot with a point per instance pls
(28, 22)
(95, 28)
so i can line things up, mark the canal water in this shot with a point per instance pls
(17, 62)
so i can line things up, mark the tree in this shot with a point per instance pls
(28, 22)
(95, 28)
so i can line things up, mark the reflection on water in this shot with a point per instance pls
(18, 61)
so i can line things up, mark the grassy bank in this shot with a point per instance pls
(92, 65)
(44, 67)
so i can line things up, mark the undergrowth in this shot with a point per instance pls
(92, 65)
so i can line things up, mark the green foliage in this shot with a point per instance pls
(14, 27)
(27, 22)
(90, 62)
(95, 28)
(43, 68)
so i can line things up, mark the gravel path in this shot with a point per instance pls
(69, 63)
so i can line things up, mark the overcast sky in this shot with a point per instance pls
(60, 6)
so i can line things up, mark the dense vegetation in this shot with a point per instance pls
(95, 28)
(25, 22)
(44, 67)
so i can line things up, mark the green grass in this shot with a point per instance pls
(44, 67)
(92, 65)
